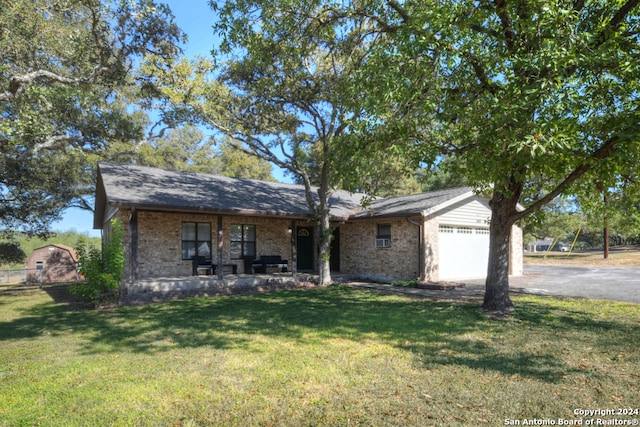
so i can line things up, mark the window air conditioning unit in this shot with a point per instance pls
(383, 243)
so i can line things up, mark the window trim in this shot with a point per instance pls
(198, 241)
(243, 241)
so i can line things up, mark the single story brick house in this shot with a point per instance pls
(169, 217)
(54, 263)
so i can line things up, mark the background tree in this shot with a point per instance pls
(527, 98)
(11, 253)
(559, 220)
(68, 66)
(392, 176)
(441, 175)
(617, 210)
(188, 149)
(239, 164)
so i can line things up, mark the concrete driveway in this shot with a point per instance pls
(607, 283)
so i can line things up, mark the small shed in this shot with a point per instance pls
(52, 264)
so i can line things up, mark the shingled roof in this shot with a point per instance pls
(143, 187)
(413, 204)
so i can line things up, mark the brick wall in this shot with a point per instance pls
(431, 250)
(160, 254)
(160, 240)
(358, 254)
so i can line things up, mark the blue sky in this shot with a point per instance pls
(195, 17)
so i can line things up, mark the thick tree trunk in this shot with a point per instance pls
(324, 265)
(324, 232)
(496, 297)
(324, 241)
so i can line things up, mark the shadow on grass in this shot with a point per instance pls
(438, 333)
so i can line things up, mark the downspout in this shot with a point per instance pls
(420, 245)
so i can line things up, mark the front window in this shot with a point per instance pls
(196, 240)
(384, 231)
(243, 241)
(383, 238)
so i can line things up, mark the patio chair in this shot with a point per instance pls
(200, 262)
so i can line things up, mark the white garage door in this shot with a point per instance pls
(464, 252)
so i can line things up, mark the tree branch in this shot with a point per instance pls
(507, 25)
(399, 10)
(49, 143)
(622, 13)
(18, 83)
(606, 150)
(83, 204)
(617, 20)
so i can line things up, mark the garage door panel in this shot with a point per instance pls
(464, 252)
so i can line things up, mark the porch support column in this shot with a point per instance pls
(133, 245)
(294, 249)
(220, 247)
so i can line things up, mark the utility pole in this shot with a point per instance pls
(605, 199)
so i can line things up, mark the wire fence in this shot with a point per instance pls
(13, 276)
(37, 276)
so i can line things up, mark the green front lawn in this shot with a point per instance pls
(330, 356)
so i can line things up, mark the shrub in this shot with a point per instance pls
(405, 283)
(102, 270)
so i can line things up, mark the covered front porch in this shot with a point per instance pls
(163, 288)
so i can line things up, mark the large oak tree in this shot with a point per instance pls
(277, 92)
(69, 69)
(528, 99)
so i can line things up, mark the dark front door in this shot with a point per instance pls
(334, 261)
(304, 243)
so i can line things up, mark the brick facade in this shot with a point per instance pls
(431, 259)
(164, 200)
(159, 243)
(160, 240)
(359, 255)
